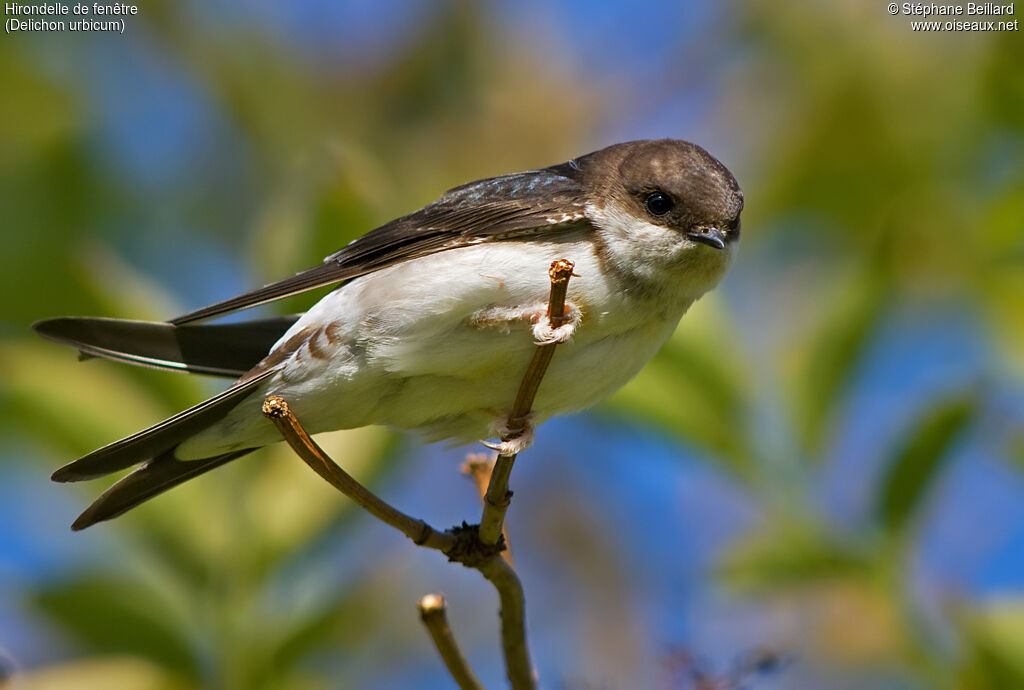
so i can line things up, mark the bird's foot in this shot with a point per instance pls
(552, 330)
(515, 438)
(546, 330)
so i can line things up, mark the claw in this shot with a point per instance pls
(545, 334)
(513, 441)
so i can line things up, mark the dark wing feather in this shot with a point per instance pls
(498, 208)
(228, 350)
(315, 277)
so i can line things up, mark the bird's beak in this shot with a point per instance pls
(713, 237)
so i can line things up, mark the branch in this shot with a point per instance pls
(276, 409)
(479, 466)
(433, 613)
(496, 499)
(460, 544)
(560, 273)
(518, 668)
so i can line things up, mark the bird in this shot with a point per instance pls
(435, 316)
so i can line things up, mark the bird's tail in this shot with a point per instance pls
(227, 350)
(217, 349)
(152, 478)
(153, 449)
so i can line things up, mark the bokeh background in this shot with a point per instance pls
(825, 464)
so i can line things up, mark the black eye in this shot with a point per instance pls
(658, 203)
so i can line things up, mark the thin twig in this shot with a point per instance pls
(276, 409)
(433, 613)
(496, 499)
(453, 543)
(560, 273)
(479, 466)
(518, 668)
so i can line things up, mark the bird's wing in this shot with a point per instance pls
(498, 208)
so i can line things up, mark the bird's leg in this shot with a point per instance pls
(553, 330)
(546, 330)
(516, 435)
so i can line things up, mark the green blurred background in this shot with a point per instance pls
(825, 461)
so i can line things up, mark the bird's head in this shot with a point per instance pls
(666, 209)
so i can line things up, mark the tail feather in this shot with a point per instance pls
(223, 350)
(228, 350)
(157, 439)
(156, 476)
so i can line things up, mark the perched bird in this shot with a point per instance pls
(438, 314)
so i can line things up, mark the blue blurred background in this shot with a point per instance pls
(824, 464)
